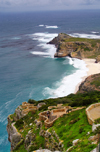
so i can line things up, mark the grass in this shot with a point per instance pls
(76, 39)
(70, 131)
(97, 121)
(12, 116)
(69, 127)
(21, 148)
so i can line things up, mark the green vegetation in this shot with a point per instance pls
(13, 117)
(68, 128)
(76, 39)
(32, 101)
(73, 100)
(21, 148)
(97, 121)
(96, 82)
(74, 126)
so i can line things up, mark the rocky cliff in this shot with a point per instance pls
(76, 47)
(91, 83)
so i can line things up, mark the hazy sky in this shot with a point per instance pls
(32, 5)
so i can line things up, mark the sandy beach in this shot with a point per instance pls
(93, 68)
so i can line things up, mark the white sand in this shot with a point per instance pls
(93, 68)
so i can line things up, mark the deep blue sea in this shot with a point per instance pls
(28, 68)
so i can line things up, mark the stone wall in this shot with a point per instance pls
(49, 122)
(90, 120)
(27, 107)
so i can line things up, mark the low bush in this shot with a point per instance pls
(19, 124)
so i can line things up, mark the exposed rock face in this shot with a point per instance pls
(18, 112)
(13, 136)
(30, 137)
(98, 59)
(75, 47)
(91, 83)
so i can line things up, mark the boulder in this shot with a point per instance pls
(94, 126)
(75, 142)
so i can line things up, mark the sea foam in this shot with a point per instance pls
(93, 32)
(89, 36)
(68, 83)
(47, 26)
(43, 39)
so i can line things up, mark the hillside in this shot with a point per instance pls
(91, 83)
(28, 133)
(76, 47)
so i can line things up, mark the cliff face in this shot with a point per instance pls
(91, 83)
(13, 135)
(76, 47)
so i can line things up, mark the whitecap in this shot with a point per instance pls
(39, 53)
(55, 26)
(89, 36)
(93, 32)
(41, 25)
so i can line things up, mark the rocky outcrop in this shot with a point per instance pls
(98, 59)
(30, 137)
(75, 47)
(13, 135)
(91, 83)
(19, 113)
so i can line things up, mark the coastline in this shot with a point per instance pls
(93, 68)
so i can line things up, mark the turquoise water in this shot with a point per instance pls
(28, 68)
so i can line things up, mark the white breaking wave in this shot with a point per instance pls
(94, 32)
(41, 25)
(89, 36)
(43, 38)
(47, 26)
(68, 83)
(39, 53)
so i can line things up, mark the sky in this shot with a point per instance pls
(37, 5)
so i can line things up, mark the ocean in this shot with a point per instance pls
(28, 69)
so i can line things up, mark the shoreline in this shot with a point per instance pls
(93, 68)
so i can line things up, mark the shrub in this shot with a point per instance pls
(97, 121)
(32, 101)
(19, 124)
(81, 130)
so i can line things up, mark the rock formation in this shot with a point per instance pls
(91, 83)
(76, 47)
